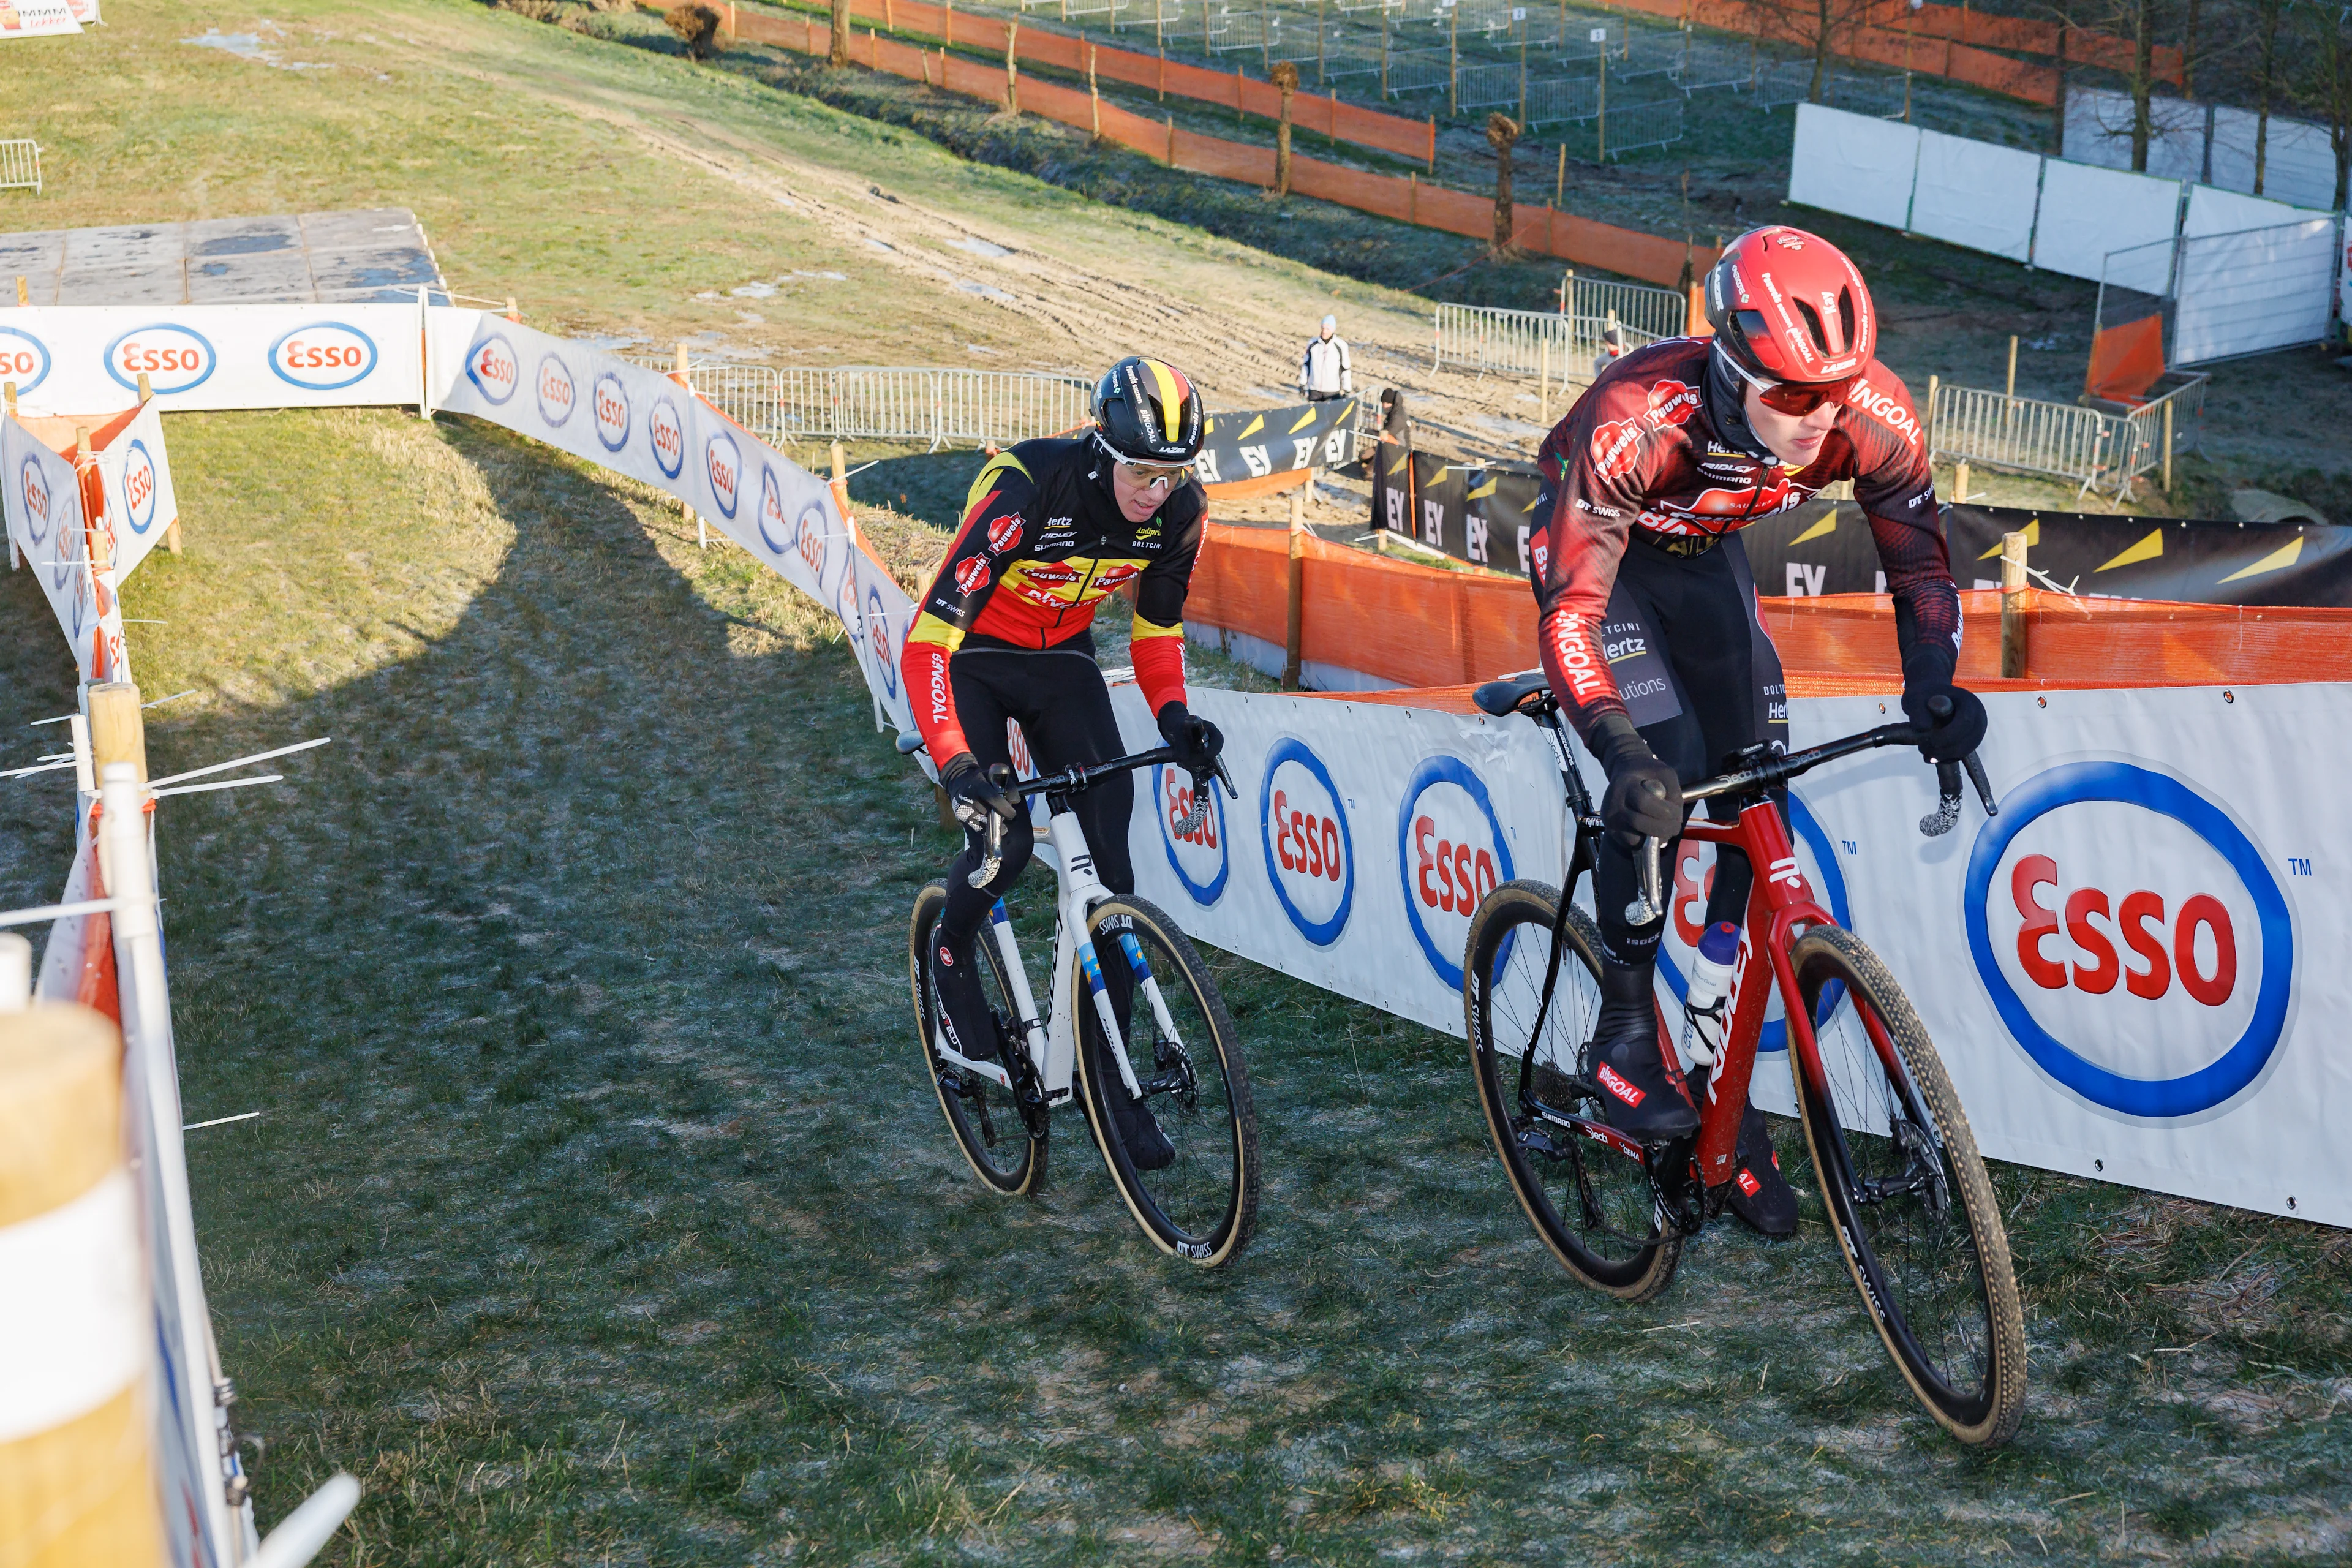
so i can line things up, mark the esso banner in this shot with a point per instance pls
(2113, 969)
(87, 359)
(640, 423)
(139, 501)
(1363, 837)
(47, 533)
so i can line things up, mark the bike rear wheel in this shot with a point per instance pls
(1202, 1207)
(1005, 1148)
(1907, 1194)
(1593, 1204)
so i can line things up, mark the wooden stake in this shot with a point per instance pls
(514, 312)
(1960, 484)
(2010, 389)
(1543, 381)
(118, 729)
(1298, 591)
(79, 1488)
(2012, 605)
(2168, 447)
(24, 295)
(1012, 69)
(1559, 185)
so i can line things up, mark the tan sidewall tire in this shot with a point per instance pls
(1983, 1209)
(927, 904)
(1543, 901)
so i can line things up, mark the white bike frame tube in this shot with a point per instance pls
(1081, 890)
(1025, 1001)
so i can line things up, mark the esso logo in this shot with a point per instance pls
(775, 528)
(667, 433)
(1016, 746)
(2132, 937)
(813, 540)
(1694, 879)
(1001, 532)
(608, 401)
(139, 487)
(844, 604)
(23, 359)
(1199, 857)
(722, 460)
(1310, 855)
(324, 356)
(173, 359)
(1452, 852)
(559, 394)
(492, 366)
(34, 485)
(877, 626)
(972, 574)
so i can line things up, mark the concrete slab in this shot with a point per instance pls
(279, 274)
(242, 237)
(375, 253)
(125, 286)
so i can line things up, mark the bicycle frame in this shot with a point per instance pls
(1052, 1043)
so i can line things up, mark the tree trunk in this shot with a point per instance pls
(2189, 53)
(1285, 81)
(838, 55)
(2269, 14)
(1503, 135)
(2058, 109)
(2143, 81)
(1820, 52)
(1011, 64)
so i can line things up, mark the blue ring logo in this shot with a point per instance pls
(771, 512)
(559, 394)
(877, 626)
(494, 376)
(1322, 933)
(353, 351)
(135, 460)
(1214, 825)
(1774, 1035)
(609, 402)
(34, 481)
(1437, 770)
(158, 364)
(2123, 783)
(27, 366)
(662, 425)
(722, 471)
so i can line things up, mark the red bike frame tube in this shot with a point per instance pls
(1779, 903)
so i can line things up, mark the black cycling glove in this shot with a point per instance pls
(1951, 735)
(1645, 799)
(973, 795)
(1195, 740)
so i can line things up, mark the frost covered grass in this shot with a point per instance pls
(599, 1210)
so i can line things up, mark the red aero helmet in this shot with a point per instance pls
(1788, 306)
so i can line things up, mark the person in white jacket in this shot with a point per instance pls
(1324, 372)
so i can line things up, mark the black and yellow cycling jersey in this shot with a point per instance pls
(1042, 541)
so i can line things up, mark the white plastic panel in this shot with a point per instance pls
(2087, 212)
(2263, 288)
(1976, 194)
(1853, 165)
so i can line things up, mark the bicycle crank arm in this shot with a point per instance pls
(989, 1070)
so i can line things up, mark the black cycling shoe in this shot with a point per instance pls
(1760, 1195)
(966, 1025)
(1640, 1096)
(1146, 1147)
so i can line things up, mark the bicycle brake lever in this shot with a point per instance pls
(1942, 820)
(1649, 902)
(1226, 778)
(1984, 785)
(992, 860)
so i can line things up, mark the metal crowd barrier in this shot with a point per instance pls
(1526, 342)
(2097, 450)
(20, 167)
(944, 407)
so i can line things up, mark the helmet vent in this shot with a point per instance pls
(1845, 315)
(1813, 325)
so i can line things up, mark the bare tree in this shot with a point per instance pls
(1822, 28)
(839, 54)
(697, 27)
(2323, 86)
(1503, 136)
(1285, 81)
(2266, 86)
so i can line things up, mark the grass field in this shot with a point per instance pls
(599, 1210)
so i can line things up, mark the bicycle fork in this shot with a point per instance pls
(1146, 987)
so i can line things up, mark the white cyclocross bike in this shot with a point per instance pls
(1175, 1053)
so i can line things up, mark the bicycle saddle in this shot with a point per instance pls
(1511, 694)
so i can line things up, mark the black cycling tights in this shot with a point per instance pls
(1059, 700)
(1723, 691)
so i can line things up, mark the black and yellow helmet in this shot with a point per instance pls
(1146, 412)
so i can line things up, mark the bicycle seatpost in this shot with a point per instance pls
(1649, 903)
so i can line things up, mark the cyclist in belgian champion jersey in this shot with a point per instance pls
(1649, 625)
(1051, 527)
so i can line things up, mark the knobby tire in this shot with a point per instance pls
(1014, 1164)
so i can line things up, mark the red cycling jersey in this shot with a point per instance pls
(1637, 456)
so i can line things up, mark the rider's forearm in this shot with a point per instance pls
(924, 668)
(1576, 666)
(1159, 654)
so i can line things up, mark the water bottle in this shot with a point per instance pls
(1707, 1025)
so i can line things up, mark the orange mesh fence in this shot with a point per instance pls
(1429, 630)
(1583, 241)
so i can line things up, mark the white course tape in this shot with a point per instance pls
(73, 1314)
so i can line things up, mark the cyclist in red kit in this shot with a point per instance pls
(1648, 623)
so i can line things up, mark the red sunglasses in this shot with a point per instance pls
(1788, 397)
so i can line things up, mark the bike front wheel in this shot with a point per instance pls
(1005, 1148)
(1201, 1204)
(1590, 1201)
(1907, 1194)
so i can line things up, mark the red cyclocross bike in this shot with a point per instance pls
(1893, 1158)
